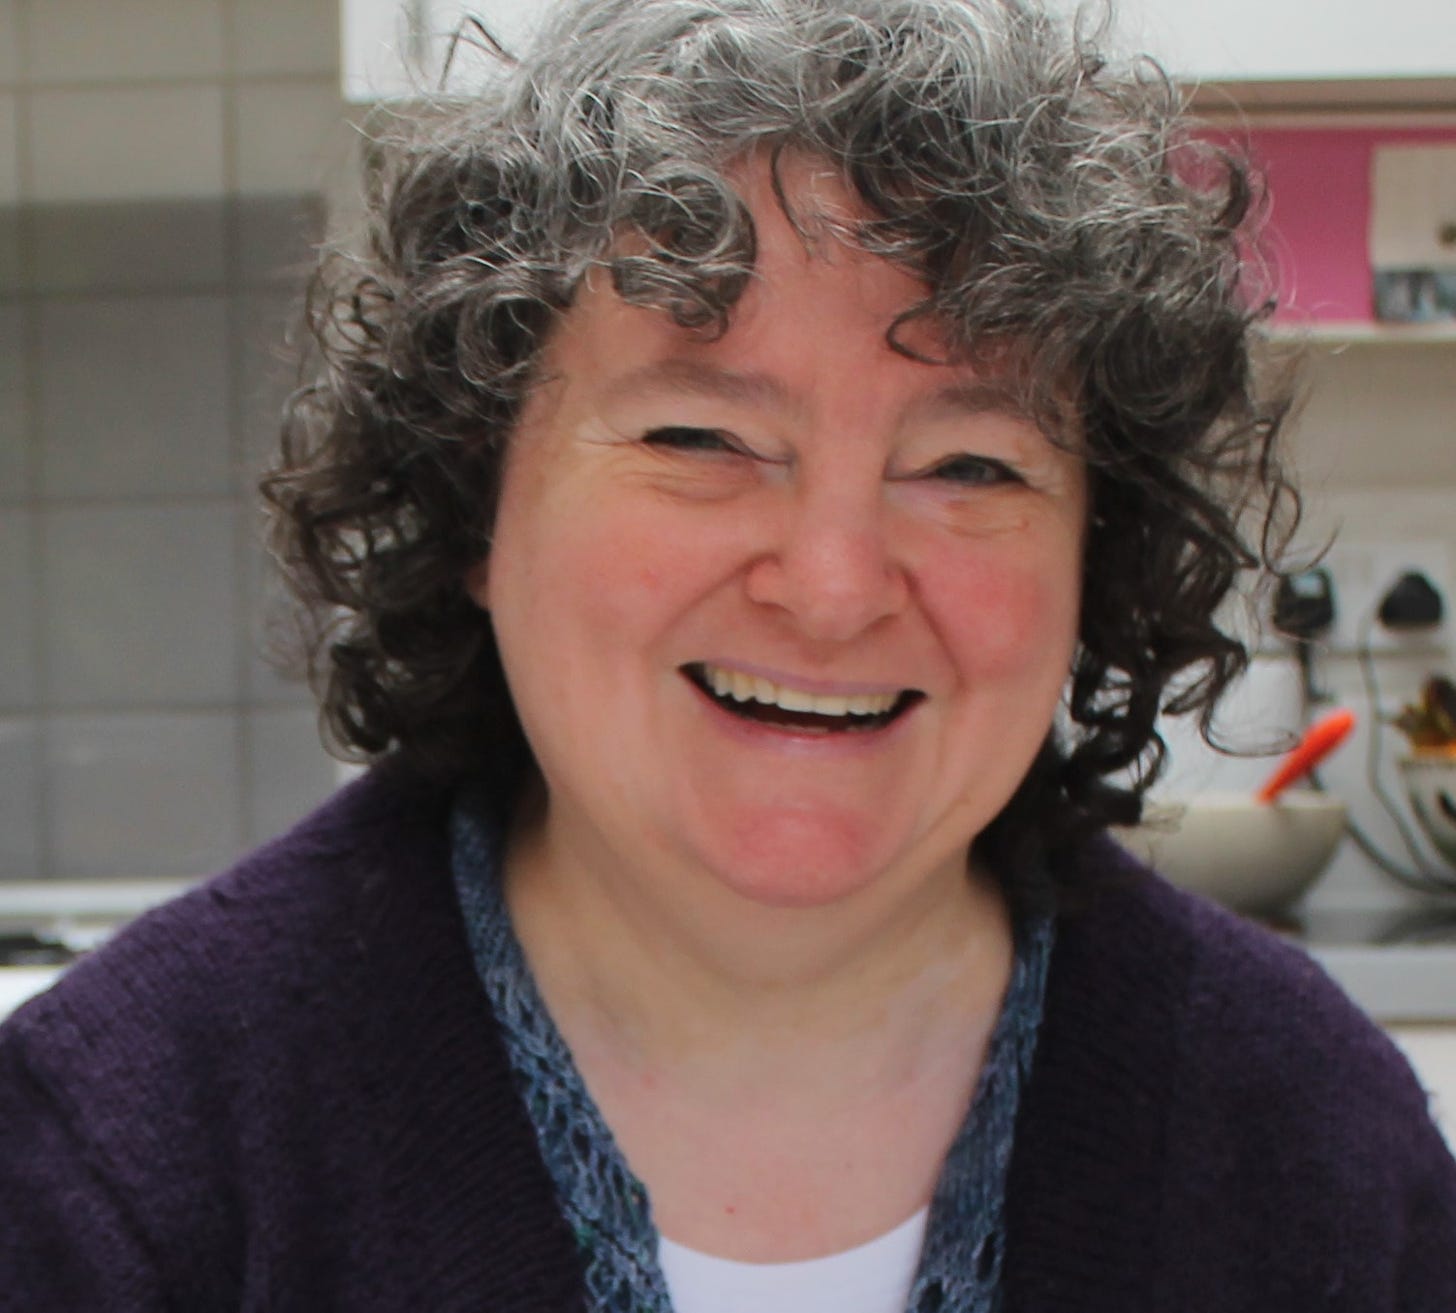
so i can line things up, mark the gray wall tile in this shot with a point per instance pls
(9, 188)
(14, 430)
(288, 769)
(19, 799)
(127, 246)
(291, 136)
(263, 327)
(9, 57)
(127, 144)
(9, 149)
(277, 239)
(133, 397)
(285, 36)
(142, 795)
(12, 268)
(269, 668)
(85, 39)
(17, 601)
(141, 606)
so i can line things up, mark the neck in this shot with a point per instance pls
(677, 978)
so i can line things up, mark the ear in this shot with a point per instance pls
(477, 583)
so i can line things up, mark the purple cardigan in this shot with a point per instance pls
(285, 1091)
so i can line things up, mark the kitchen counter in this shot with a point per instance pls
(20, 983)
(44, 924)
(1399, 966)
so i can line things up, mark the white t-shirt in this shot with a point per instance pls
(872, 1278)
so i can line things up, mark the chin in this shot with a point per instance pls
(801, 862)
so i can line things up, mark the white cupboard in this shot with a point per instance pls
(392, 49)
(1233, 41)
(1293, 40)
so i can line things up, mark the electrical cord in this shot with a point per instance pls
(1419, 882)
(1422, 879)
(1376, 742)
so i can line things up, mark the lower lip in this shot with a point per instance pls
(783, 738)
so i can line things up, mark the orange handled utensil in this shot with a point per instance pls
(1319, 740)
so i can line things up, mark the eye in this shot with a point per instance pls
(682, 437)
(972, 471)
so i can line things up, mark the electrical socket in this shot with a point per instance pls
(1363, 573)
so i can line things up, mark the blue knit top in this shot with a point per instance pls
(608, 1208)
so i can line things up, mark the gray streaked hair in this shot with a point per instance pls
(1064, 220)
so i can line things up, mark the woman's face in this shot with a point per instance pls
(797, 516)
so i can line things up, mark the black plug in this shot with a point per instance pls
(1304, 608)
(1411, 603)
(1304, 604)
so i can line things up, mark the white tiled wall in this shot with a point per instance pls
(162, 168)
(1376, 451)
(1380, 417)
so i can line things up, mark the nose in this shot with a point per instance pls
(830, 568)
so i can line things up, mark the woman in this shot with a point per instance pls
(766, 470)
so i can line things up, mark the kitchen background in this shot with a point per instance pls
(162, 168)
(165, 169)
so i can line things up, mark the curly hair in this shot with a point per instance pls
(1056, 207)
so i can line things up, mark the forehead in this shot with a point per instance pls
(816, 304)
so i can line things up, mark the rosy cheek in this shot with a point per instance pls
(1003, 612)
(624, 568)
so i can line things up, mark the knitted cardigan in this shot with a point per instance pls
(285, 1091)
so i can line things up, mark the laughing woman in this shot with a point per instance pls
(767, 465)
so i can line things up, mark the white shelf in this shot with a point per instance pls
(1363, 333)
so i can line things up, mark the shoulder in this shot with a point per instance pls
(284, 1090)
(243, 944)
(201, 1067)
(1247, 1018)
(1262, 1133)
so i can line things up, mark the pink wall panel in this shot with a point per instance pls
(1318, 233)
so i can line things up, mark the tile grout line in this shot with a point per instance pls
(162, 81)
(40, 746)
(244, 750)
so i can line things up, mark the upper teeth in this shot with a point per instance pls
(754, 688)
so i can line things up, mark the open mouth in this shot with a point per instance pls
(751, 698)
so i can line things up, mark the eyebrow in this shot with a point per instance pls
(961, 397)
(974, 396)
(694, 378)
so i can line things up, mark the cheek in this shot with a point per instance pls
(617, 573)
(1008, 613)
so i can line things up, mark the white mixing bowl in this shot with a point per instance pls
(1254, 857)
